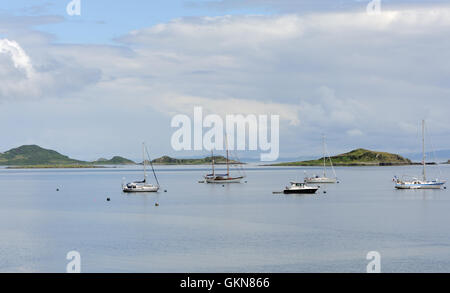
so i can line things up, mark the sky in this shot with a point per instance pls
(99, 83)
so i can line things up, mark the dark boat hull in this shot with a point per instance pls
(300, 191)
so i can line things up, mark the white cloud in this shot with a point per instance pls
(18, 56)
(355, 77)
(21, 80)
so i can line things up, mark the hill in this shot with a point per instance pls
(35, 155)
(117, 160)
(166, 160)
(358, 157)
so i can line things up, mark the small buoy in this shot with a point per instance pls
(57, 189)
(245, 181)
(165, 190)
(223, 185)
(338, 182)
(108, 199)
(156, 204)
(445, 187)
(324, 192)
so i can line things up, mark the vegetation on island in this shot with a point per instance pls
(358, 157)
(117, 160)
(219, 160)
(33, 156)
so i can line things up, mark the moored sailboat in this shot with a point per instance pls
(222, 178)
(423, 183)
(142, 186)
(317, 179)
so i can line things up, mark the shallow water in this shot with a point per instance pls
(210, 228)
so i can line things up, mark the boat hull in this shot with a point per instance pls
(223, 180)
(420, 186)
(140, 189)
(320, 180)
(300, 191)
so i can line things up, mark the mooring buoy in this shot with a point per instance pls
(108, 199)
(156, 204)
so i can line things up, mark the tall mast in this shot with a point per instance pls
(226, 145)
(324, 159)
(143, 157)
(212, 162)
(423, 151)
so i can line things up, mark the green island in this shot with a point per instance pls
(358, 157)
(36, 157)
(218, 160)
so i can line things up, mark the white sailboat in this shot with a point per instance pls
(317, 179)
(142, 186)
(423, 183)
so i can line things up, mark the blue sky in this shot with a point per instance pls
(81, 84)
(101, 21)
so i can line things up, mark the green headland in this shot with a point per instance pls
(33, 156)
(358, 157)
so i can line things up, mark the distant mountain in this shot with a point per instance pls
(117, 160)
(35, 155)
(358, 157)
(438, 156)
(166, 160)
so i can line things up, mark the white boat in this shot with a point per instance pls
(317, 179)
(221, 178)
(416, 183)
(142, 186)
(300, 188)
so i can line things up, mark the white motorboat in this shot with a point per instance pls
(142, 186)
(300, 188)
(416, 183)
(323, 179)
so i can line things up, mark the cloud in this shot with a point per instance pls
(18, 56)
(21, 80)
(303, 6)
(176, 104)
(360, 79)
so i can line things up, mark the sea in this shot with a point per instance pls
(191, 227)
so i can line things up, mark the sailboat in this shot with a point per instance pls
(142, 186)
(222, 178)
(323, 179)
(423, 183)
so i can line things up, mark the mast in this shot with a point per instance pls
(324, 159)
(143, 157)
(151, 164)
(423, 151)
(226, 145)
(212, 162)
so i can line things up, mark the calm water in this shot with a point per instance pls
(210, 228)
